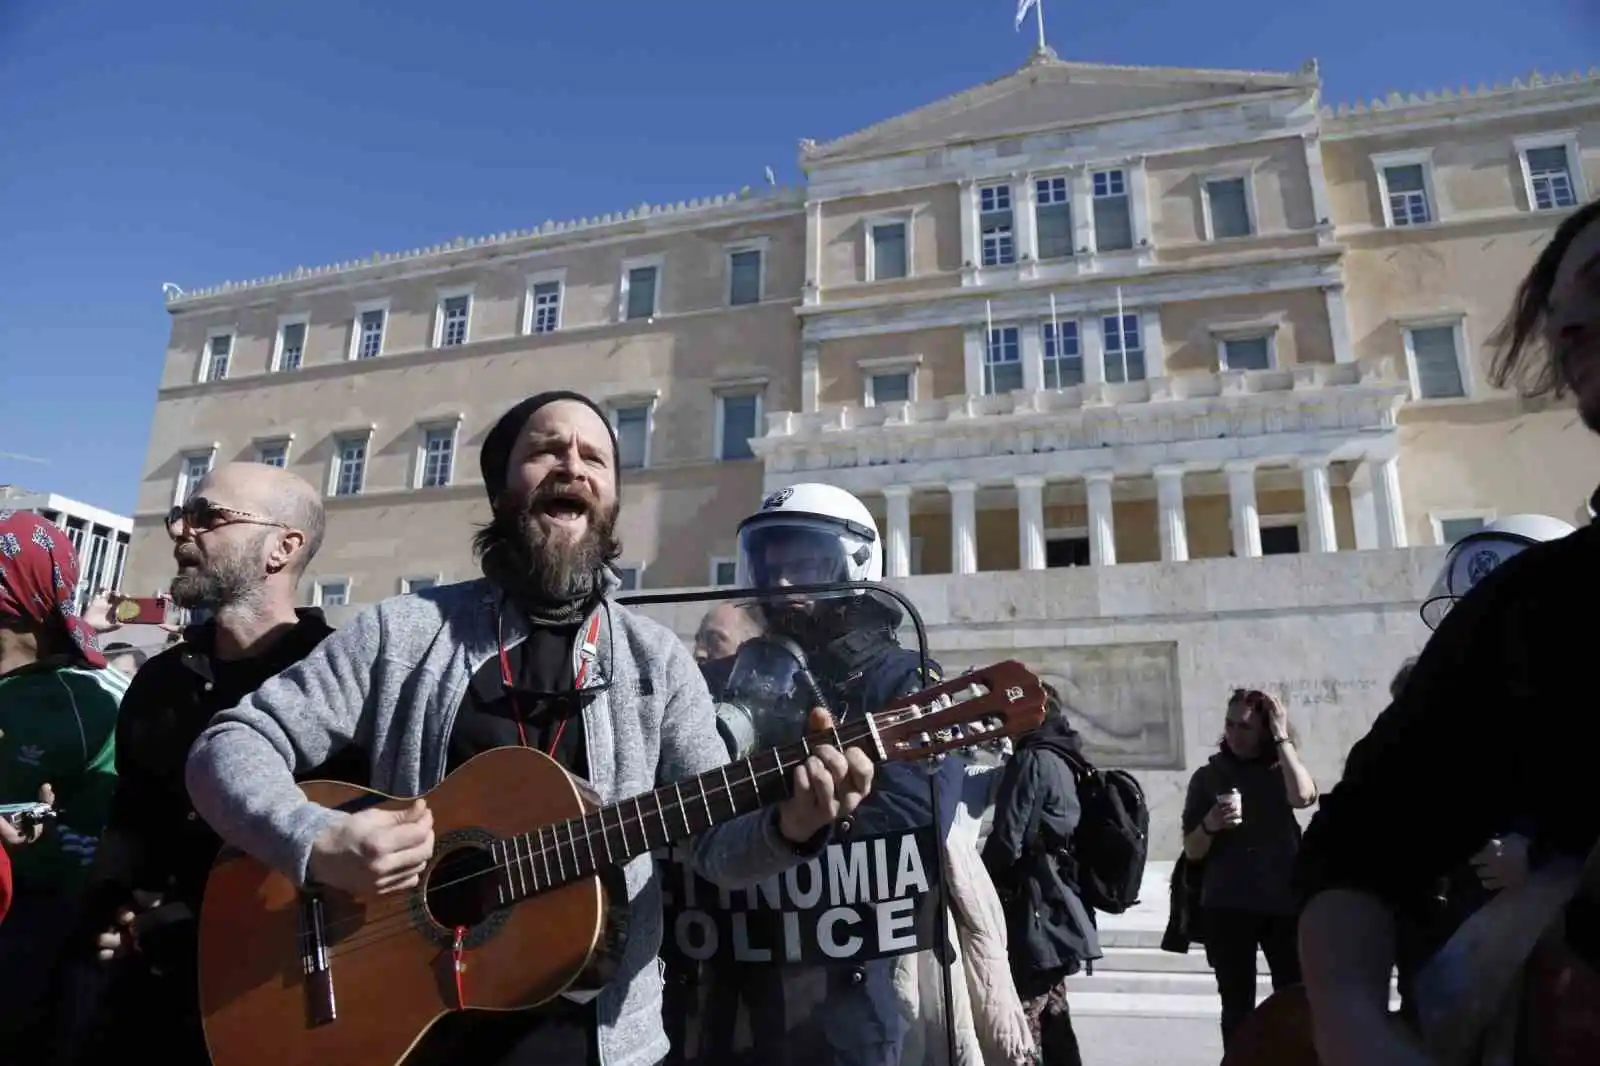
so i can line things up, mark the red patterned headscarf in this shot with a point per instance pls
(39, 577)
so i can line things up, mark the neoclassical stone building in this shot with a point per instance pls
(1079, 315)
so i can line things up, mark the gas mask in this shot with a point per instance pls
(767, 696)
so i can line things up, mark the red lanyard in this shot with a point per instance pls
(586, 654)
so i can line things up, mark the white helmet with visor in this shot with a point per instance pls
(1475, 556)
(809, 534)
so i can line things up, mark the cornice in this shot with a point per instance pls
(646, 219)
(1402, 112)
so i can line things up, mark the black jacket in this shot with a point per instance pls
(1036, 812)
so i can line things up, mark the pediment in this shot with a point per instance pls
(1048, 93)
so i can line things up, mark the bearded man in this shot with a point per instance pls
(241, 542)
(536, 653)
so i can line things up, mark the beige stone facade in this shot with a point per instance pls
(1079, 315)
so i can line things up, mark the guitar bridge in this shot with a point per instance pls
(315, 965)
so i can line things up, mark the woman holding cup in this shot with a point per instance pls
(1240, 831)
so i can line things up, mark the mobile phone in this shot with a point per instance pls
(142, 610)
(24, 816)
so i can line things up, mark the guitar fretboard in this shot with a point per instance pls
(564, 852)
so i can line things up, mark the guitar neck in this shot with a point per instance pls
(563, 852)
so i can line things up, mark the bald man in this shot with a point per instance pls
(722, 630)
(241, 543)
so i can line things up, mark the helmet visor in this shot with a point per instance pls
(791, 553)
(1471, 559)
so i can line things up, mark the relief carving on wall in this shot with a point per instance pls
(1123, 698)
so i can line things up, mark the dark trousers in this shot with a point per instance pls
(33, 941)
(1044, 1000)
(1232, 937)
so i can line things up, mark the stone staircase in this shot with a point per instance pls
(1137, 979)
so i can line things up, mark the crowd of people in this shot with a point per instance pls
(139, 769)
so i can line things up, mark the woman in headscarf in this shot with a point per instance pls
(58, 716)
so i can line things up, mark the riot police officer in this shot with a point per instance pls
(847, 646)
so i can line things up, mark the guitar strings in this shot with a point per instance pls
(404, 917)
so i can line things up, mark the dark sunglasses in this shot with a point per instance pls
(199, 515)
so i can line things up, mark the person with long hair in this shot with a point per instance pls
(1492, 727)
(1239, 828)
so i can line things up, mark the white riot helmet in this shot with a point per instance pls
(809, 534)
(1475, 556)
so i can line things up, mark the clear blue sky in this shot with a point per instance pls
(198, 141)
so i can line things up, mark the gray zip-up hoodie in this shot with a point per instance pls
(392, 680)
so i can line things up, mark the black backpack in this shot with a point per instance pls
(1109, 847)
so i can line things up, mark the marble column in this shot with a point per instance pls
(1169, 508)
(1386, 503)
(1030, 521)
(1102, 526)
(1245, 518)
(963, 527)
(1318, 504)
(897, 539)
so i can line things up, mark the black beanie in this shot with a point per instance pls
(495, 457)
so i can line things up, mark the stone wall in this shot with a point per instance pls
(1147, 653)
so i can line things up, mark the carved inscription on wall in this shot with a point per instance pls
(1123, 698)
(1313, 692)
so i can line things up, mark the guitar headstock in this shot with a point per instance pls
(986, 704)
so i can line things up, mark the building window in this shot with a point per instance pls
(191, 473)
(639, 296)
(1450, 530)
(1228, 208)
(273, 453)
(1247, 353)
(1551, 175)
(889, 257)
(1435, 358)
(628, 575)
(1113, 212)
(454, 312)
(738, 422)
(331, 592)
(411, 585)
(888, 388)
(744, 277)
(1124, 348)
(633, 435)
(724, 572)
(349, 465)
(1280, 536)
(1067, 548)
(1063, 355)
(1002, 361)
(999, 246)
(369, 332)
(1405, 186)
(219, 353)
(1052, 217)
(544, 307)
(438, 456)
(291, 346)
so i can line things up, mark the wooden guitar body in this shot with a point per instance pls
(1276, 1033)
(390, 962)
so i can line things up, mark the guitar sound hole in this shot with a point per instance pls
(460, 890)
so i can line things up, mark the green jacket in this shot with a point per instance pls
(58, 726)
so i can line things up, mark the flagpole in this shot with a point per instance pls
(1038, 12)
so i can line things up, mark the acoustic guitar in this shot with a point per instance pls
(521, 902)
